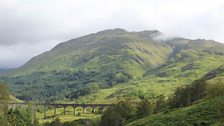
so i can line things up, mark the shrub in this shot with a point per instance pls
(215, 88)
(145, 108)
(118, 114)
(184, 96)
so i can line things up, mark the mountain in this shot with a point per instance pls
(97, 51)
(207, 110)
(114, 64)
(3, 70)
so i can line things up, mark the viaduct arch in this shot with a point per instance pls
(59, 105)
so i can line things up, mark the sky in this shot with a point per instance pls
(31, 27)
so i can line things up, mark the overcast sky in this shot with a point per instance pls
(30, 27)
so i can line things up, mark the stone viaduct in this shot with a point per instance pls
(60, 105)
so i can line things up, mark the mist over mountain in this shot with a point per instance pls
(103, 60)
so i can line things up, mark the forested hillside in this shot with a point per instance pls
(114, 64)
(200, 103)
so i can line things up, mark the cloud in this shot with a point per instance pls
(15, 55)
(43, 23)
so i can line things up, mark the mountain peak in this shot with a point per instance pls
(112, 31)
(150, 33)
(110, 57)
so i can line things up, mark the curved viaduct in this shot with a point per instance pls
(59, 105)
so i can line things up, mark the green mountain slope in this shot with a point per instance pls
(114, 64)
(203, 113)
(99, 50)
(207, 111)
(182, 68)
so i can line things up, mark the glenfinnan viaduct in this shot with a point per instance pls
(83, 106)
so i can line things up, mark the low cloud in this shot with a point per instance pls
(15, 55)
(28, 28)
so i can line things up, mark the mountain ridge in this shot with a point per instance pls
(101, 60)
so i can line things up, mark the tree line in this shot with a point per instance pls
(9, 117)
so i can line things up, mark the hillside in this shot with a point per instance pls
(114, 64)
(2, 71)
(206, 111)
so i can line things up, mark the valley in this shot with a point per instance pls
(119, 67)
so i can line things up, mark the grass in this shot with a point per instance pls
(201, 113)
(205, 112)
(13, 99)
(153, 85)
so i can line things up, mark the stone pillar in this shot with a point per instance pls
(45, 111)
(64, 110)
(83, 110)
(55, 110)
(74, 110)
(34, 113)
(105, 108)
(94, 110)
